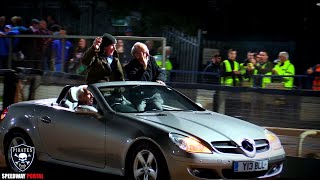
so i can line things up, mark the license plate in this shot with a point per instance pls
(249, 166)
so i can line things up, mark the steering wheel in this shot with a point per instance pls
(115, 104)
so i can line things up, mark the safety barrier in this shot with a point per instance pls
(182, 76)
(300, 135)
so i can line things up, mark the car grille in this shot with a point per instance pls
(262, 145)
(226, 147)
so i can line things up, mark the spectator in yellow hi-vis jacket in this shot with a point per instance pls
(284, 68)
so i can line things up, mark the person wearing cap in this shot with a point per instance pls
(284, 68)
(102, 61)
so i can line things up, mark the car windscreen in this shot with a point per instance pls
(146, 98)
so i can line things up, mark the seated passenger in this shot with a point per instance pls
(142, 103)
(85, 100)
(155, 102)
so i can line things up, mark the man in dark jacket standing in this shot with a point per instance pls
(214, 68)
(102, 61)
(143, 66)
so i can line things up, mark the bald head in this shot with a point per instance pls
(139, 47)
(140, 52)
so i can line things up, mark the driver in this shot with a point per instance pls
(85, 100)
(118, 102)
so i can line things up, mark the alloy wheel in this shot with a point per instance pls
(145, 166)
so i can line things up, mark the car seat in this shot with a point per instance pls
(71, 100)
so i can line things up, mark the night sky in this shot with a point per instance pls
(242, 20)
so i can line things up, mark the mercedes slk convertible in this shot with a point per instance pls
(141, 130)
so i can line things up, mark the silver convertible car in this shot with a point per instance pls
(141, 130)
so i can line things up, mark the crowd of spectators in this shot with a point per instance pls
(54, 54)
(257, 70)
(64, 55)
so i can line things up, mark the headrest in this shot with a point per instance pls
(72, 94)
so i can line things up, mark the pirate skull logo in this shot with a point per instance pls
(22, 156)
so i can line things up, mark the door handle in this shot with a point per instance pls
(45, 119)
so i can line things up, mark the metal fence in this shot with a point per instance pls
(186, 50)
(181, 76)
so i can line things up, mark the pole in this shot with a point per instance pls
(10, 53)
(63, 46)
(164, 42)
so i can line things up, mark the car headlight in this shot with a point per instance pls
(273, 140)
(189, 144)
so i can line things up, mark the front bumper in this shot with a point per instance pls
(220, 166)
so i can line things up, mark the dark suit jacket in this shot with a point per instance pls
(135, 72)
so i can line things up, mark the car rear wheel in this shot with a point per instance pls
(146, 162)
(15, 139)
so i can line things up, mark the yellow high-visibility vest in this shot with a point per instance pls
(228, 80)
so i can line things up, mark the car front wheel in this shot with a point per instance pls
(14, 140)
(146, 162)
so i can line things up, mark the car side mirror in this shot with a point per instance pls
(199, 105)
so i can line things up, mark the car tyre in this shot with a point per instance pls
(15, 139)
(146, 162)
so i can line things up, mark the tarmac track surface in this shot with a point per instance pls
(54, 172)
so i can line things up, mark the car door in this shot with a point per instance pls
(72, 137)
